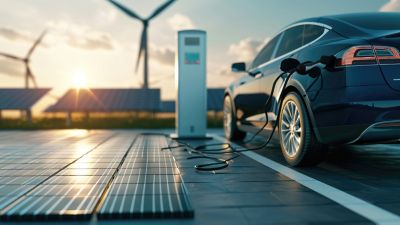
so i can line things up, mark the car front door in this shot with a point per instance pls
(246, 97)
(249, 100)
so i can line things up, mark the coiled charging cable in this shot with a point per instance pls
(205, 152)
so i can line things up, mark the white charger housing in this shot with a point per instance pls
(191, 84)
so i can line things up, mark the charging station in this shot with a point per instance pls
(191, 85)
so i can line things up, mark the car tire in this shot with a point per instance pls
(297, 139)
(231, 130)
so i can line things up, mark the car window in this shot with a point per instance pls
(312, 32)
(291, 40)
(266, 53)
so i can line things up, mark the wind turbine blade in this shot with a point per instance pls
(141, 46)
(31, 76)
(37, 42)
(125, 10)
(160, 9)
(10, 56)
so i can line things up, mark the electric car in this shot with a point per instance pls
(355, 99)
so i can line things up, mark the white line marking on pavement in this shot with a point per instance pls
(357, 205)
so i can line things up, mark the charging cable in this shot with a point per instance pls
(205, 152)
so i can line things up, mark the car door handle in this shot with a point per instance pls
(241, 83)
(258, 76)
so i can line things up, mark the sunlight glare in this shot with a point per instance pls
(79, 80)
(79, 133)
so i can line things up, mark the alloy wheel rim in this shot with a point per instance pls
(291, 130)
(227, 117)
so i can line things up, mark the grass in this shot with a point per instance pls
(98, 123)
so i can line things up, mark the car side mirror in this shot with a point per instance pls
(289, 64)
(238, 67)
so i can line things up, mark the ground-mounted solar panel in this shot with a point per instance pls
(71, 192)
(148, 185)
(123, 176)
(11, 192)
(108, 100)
(20, 98)
(168, 106)
(215, 101)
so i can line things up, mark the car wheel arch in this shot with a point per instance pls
(229, 95)
(295, 86)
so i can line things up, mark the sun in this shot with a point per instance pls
(79, 80)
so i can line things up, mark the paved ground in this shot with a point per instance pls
(370, 172)
(247, 192)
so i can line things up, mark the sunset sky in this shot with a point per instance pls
(91, 37)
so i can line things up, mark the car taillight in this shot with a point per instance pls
(367, 54)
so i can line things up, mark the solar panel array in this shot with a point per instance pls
(107, 100)
(215, 101)
(147, 185)
(168, 106)
(34, 167)
(108, 176)
(20, 98)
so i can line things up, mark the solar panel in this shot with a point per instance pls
(148, 185)
(107, 100)
(215, 101)
(168, 106)
(117, 176)
(20, 98)
(36, 196)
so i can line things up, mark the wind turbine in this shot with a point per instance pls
(26, 60)
(143, 48)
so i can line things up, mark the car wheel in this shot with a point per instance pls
(230, 127)
(298, 143)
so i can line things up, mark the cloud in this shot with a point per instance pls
(83, 37)
(73, 35)
(163, 55)
(15, 35)
(180, 22)
(225, 71)
(91, 41)
(391, 6)
(246, 49)
(11, 68)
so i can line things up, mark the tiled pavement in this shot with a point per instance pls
(58, 164)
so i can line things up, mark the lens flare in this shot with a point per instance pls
(79, 80)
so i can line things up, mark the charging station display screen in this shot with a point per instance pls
(192, 58)
(192, 41)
